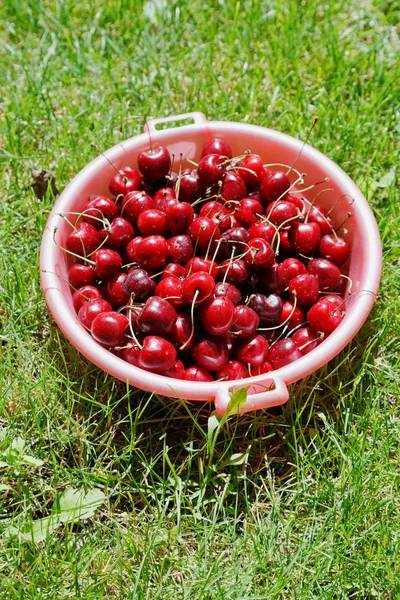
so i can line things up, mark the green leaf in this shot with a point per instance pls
(237, 400)
(31, 460)
(3, 464)
(18, 444)
(76, 504)
(387, 179)
(4, 487)
(212, 424)
(236, 459)
(35, 531)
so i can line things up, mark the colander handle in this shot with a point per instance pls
(258, 400)
(196, 117)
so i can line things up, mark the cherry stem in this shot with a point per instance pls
(131, 326)
(350, 287)
(192, 321)
(350, 296)
(284, 322)
(109, 161)
(229, 265)
(178, 183)
(282, 165)
(211, 241)
(310, 187)
(314, 200)
(277, 232)
(192, 162)
(69, 251)
(337, 201)
(310, 342)
(349, 214)
(315, 121)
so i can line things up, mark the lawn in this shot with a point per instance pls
(295, 503)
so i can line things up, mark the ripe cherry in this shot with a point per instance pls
(134, 203)
(210, 353)
(245, 321)
(202, 231)
(85, 294)
(211, 168)
(196, 373)
(199, 263)
(283, 353)
(132, 247)
(274, 186)
(124, 181)
(198, 288)
(232, 369)
(109, 328)
(157, 355)
(89, 310)
(325, 223)
(230, 291)
(282, 211)
(151, 252)
(327, 273)
(234, 242)
(177, 371)
(252, 170)
(216, 315)
(266, 367)
(99, 207)
(152, 222)
(235, 272)
(216, 146)
(179, 216)
(107, 263)
(247, 210)
(334, 248)
(170, 288)
(324, 315)
(155, 163)
(181, 333)
(80, 275)
(114, 290)
(119, 234)
(180, 249)
(139, 284)
(262, 229)
(268, 308)
(306, 339)
(291, 315)
(233, 186)
(157, 316)
(190, 186)
(260, 254)
(84, 240)
(252, 350)
(164, 197)
(173, 270)
(130, 352)
(304, 237)
(305, 289)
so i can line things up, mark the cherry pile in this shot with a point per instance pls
(221, 271)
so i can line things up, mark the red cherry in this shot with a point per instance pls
(173, 270)
(180, 249)
(197, 374)
(179, 216)
(157, 355)
(216, 146)
(119, 235)
(108, 328)
(198, 263)
(282, 211)
(263, 230)
(217, 315)
(211, 168)
(326, 225)
(274, 186)
(268, 308)
(292, 316)
(284, 243)
(152, 222)
(324, 315)
(334, 248)
(306, 339)
(247, 210)
(134, 203)
(232, 369)
(304, 237)
(296, 201)
(191, 187)
(97, 208)
(126, 180)
(152, 252)
(202, 230)
(260, 254)
(235, 272)
(84, 240)
(170, 288)
(107, 263)
(85, 294)
(181, 333)
(139, 284)
(210, 353)
(233, 186)
(198, 288)
(305, 289)
(154, 164)
(213, 210)
(177, 371)
(253, 163)
(290, 268)
(327, 273)
(271, 280)
(132, 247)
(253, 350)
(89, 311)
(245, 321)
(80, 275)
(114, 290)
(130, 353)
(234, 240)
(230, 291)
(164, 197)
(283, 353)
(266, 367)
(157, 316)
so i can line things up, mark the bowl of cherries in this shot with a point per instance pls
(206, 257)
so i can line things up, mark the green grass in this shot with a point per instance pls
(313, 510)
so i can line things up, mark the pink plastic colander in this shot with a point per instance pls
(363, 267)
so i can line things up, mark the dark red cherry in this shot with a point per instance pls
(210, 353)
(157, 316)
(271, 280)
(139, 284)
(327, 273)
(234, 242)
(152, 252)
(325, 223)
(252, 350)
(126, 180)
(230, 291)
(296, 201)
(157, 355)
(119, 234)
(266, 367)
(211, 168)
(263, 230)
(134, 203)
(98, 209)
(85, 294)
(198, 288)
(109, 328)
(305, 289)
(247, 210)
(274, 186)
(180, 249)
(216, 315)
(179, 216)
(284, 243)
(107, 263)
(164, 197)
(306, 339)
(152, 222)
(304, 237)
(130, 353)
(268, 308)
(177, 371)
(197, 374)
(84, 240)
(260, 254)
(114, 290)
(252, 170)
(154, 164)
(173, 270)
(216, 146)
(281, 212)
(290, 268)
(245, 321)
(203, 230)
(324, 315)
(283, 353)
(191, 187)
(235, 272)
(213, 210)
(199, 263)
(181, 333)
(291, 315)
(131, 248)
(89, 310)
(232, 369)
(334, 248)
(80, 275)
(170, 288)
(233, 186)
